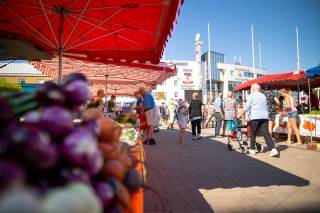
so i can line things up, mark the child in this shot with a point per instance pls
(182, 119)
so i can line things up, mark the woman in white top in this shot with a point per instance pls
(291, 110)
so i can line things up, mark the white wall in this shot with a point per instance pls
(177, 91)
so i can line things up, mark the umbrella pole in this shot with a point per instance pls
(309, 108)
(60, 66)
(299, 101)
(60, 31)
(106, 101)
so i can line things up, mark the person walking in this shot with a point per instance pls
(195, 115)
(218, 114)
(291, 110)
(171, 116)
(111, 104)
(259, 119)
(210, 117)
(205, 115)
(182, 120)
(148, 107)
(230, 111)
(272, 102)
(163, 113)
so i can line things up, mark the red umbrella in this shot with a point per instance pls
(93, 30)
(276, 81)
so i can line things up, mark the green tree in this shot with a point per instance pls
(7, 86)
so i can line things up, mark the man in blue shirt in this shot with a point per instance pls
(259, 119)
(149, 110)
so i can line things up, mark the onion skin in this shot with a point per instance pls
(57, 121)
(105, 192)
(115, 169)
(11, 173)
(77, 93)
(110, 130)
(92, 114)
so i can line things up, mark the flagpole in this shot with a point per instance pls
(260, 56)
(298, 54)
(298, 63)
(252, 45)
(209, 61)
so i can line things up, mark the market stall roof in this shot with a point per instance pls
(313, 72)
(93, 30)
(122, 78)
(276, 81)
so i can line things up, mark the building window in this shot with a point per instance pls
(175, 83)
(231, 72)
(233, 84)
(176, 94)
(248, 74)
(22, 81)
(259, 75)
(40, 81)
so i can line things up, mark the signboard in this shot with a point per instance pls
(187, 78)
(159, 95)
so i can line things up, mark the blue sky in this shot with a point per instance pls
(274, 24)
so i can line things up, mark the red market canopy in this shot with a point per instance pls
(122, 78)
(125, 30)
(290, 80)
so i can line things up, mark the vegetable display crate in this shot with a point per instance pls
(62, 158)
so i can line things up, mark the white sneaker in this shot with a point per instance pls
(252, 151)
(274, 153)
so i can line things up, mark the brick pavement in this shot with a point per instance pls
(203, 176)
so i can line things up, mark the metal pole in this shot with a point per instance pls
(60, 66)
(299, 101)
(260, 56)
(60, 48)
(309, 108)
(209, 61)
(106, 94)
(252, 45)
(298, 55)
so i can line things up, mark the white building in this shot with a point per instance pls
(194, 76)
(235, 74)
(187, 80)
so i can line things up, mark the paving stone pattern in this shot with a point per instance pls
(203, 176)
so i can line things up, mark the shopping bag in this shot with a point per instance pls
(143, 121)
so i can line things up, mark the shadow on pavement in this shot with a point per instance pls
(178, 172)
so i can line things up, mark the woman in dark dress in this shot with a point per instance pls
(195, 115)
(272, 102)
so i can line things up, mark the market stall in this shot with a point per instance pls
(296, 81)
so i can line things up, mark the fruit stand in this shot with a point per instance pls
(309, 125)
